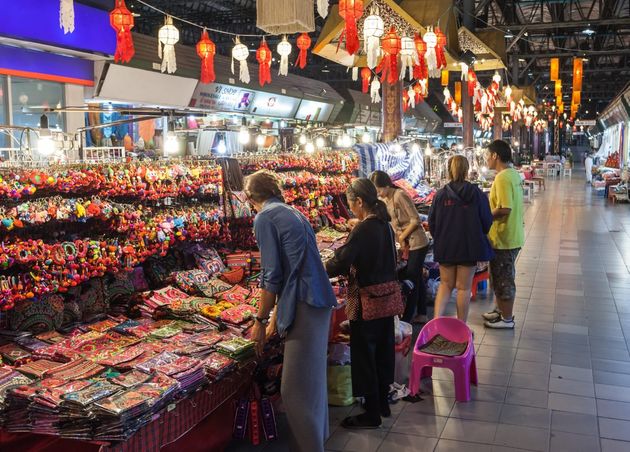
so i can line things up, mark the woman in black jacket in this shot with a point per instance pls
(459, 221)
(369, 258)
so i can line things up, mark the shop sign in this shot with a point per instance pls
(219, 97)
(34, 21)
(585, 122)
(578, 133)
(314, 111)
(268, 104)
(453, 125)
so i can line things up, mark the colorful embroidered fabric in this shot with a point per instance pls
(239, 314)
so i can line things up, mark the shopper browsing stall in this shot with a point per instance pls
(459, 221)
(293, 279)
(507, 234)
(369, 258)
(412, 240)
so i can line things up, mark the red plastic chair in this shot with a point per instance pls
(464, 367)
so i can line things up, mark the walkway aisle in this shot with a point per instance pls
(561, 380)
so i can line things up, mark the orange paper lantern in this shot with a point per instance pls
(577, 74)
(458, 93)
(444, 77)
(558, 88)
(577, 98)
(263, 56)
(554, 69)
(420, 70)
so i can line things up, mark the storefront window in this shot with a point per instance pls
(36, 94)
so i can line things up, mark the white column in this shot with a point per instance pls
(74, 97)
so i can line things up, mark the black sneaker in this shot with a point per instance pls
(500, 324)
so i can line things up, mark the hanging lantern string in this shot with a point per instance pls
(262, 35)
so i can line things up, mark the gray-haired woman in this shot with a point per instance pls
(293, 280)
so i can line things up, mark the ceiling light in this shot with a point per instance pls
(366, 138)
(45, 144)
(302, 139)
(588, 31)
(346, 141)
(585, 60)
(221, 147)
(320, 143)
(170, 144)
(243, 136)
(521, 60)
(310, 148)
(260, 140)
(508, 34)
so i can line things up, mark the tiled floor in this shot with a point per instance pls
(561, 380)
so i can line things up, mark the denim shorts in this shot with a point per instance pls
(503, 273)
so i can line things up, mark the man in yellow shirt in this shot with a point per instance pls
(507, 234)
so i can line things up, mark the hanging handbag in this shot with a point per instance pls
(239, 205)
(382, 300)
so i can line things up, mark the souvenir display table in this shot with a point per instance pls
(127, 293)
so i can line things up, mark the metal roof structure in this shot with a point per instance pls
(534, 30)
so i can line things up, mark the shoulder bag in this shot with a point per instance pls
(383, 300)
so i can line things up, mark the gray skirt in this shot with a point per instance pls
(304, 390)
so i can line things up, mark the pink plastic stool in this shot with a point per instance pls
(464, 367)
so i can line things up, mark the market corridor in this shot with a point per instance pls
(561, 380)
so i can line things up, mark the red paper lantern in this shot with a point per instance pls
(472, 82)
(388, 67)
(439, 48)
(417, 88)
(263, 56)
(351, 11)
(206, 51)
(121, 20)
(405, 100)
(420, 70)
(366, 75)
(303, 43)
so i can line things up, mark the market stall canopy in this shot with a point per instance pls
(415, 15)
(488, 47)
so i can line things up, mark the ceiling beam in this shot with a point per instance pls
(569, 24)
(573, 53)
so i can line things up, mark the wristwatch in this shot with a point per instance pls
(263, 321)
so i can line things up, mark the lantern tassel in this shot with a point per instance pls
(408, 63)
(169, 61)
(447, 95)
(284, 65)
(432, 64)
(124, 47)
(373, 51)
(66, 15)
(244, 72)
(322, 8)
(375, 90)
(207, 70)
(352, 36)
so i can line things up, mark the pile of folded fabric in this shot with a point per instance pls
(218, 365)
(237, 348)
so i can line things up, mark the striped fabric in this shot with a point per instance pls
(405, 164)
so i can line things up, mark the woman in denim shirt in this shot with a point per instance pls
(293, 280)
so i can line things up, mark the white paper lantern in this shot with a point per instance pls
(373, 30)
(408, 56)
(240, 52)
(168, 36)
(284, 50)
(411, 94)
(496, 78)
(431, 57)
